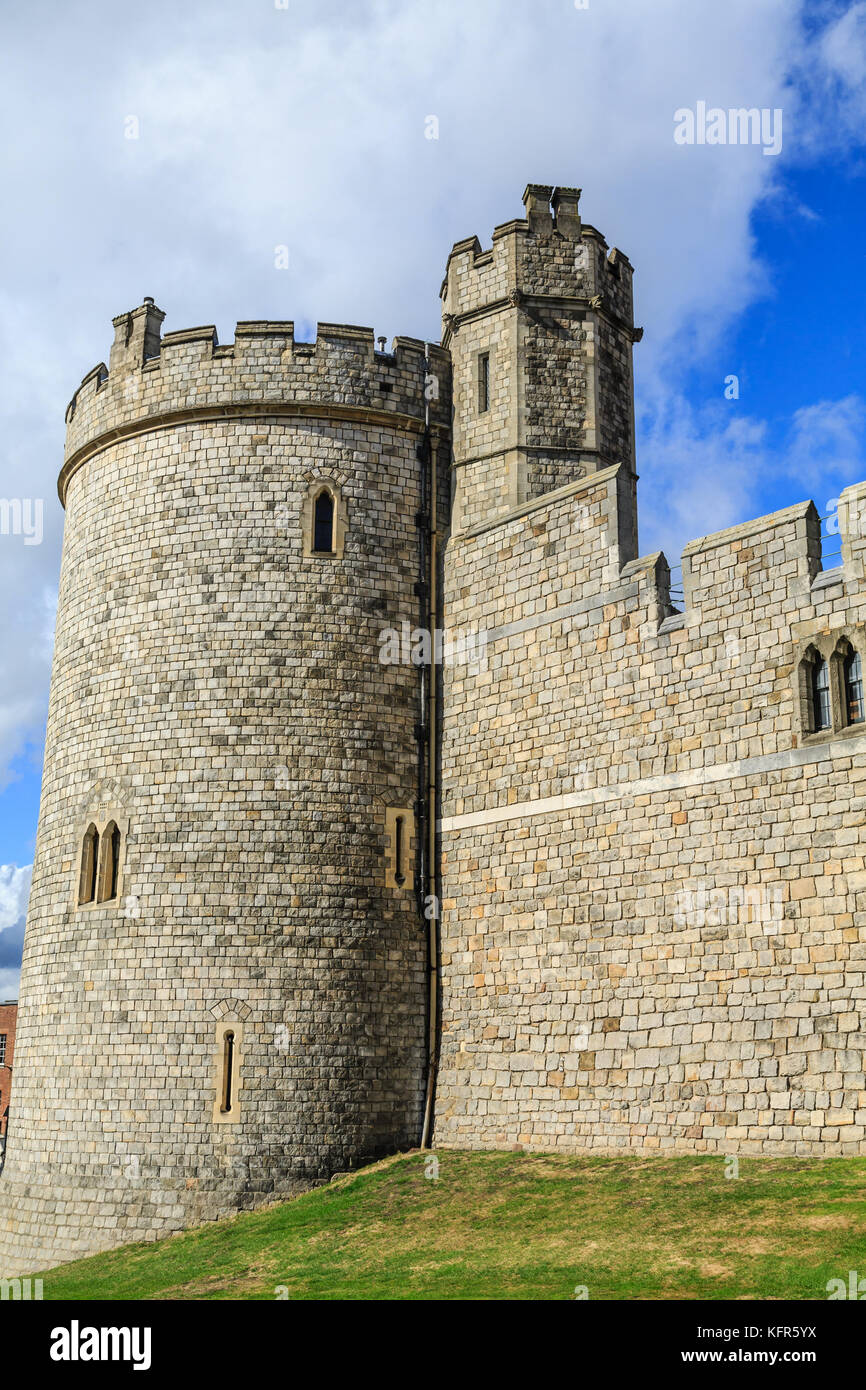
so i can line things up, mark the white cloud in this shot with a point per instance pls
(9, 983)
(14, 891)
(842, 65)
(827, 442)
(701, 473)
(828, 76)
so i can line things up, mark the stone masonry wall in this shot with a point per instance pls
(654, 890)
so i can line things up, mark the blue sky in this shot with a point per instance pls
(304, 124)
(802, 340)
(798, 425)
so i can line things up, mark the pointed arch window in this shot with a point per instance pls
(323, 524)
(400, 838)
(852, 669)
(115, 861)
(228, 1078)
(400, 850)
(89, 865)
(228, 1071)
(830, 680)
(815, 692)
(100, 871)
(821, 709)
(109, 869)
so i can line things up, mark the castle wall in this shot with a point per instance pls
(654, 895)
(221, 691)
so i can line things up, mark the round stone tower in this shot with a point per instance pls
(224, 984)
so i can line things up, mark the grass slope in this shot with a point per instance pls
(516, 1226)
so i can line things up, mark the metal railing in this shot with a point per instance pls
(831, 543)
(677, 592)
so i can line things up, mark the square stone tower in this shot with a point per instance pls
(540, 329)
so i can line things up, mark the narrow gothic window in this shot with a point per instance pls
(115, 860)
(323, 524)
(821, 695)
(89, 865)
(228, 1072)
(483, 382)
(110, 868)
(399, 837)
(324, 520)
(854, 688)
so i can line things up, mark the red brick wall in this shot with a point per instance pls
(8, 1017)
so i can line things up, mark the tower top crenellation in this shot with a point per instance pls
(152, 375)
(549, 251)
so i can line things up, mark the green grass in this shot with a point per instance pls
(516, 1226)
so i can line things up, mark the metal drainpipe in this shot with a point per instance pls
(432, 905)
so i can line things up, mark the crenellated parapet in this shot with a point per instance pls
(189, 375)
(540, 328)
(548, 254)
(730, 577)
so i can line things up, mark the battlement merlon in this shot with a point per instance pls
(776, 558)
(136, 337)
(548, 257)
(188, 373)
